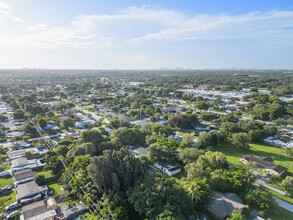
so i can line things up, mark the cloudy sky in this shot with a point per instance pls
(136, 34)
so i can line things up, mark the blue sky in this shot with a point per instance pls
(136, 34)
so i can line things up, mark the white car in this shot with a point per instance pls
(12, 214)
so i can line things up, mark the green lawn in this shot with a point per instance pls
(278, 154)
(55, 187)
(47, 174)
(8, 198)
(87, 107)
(280, 196)
(278, 213)
(4, 181)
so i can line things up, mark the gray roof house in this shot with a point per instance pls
(167, 167)
(37, 210)
(221, 205)
(30, 192)
(19, 162)
(23, 176)
(264, 163)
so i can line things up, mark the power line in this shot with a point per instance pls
(64, 163)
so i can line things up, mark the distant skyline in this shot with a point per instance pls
(153, 34)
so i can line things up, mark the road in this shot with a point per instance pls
(96, 117)
(286, 205)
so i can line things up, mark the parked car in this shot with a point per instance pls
(12, 206)
(6, 189)
(12, 214)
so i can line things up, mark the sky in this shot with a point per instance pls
(149, 34)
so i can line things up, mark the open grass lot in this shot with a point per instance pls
(47, 174)
(54, 187)
(4, 181)
(8, 198)
(278, 154)
(278, 213)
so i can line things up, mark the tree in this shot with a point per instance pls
(67, 123)
(29, 128)
(156, 151)
(182, 120)
(115, 171)
(212, 160)
(241, 140)
(202, 105)
(187, 138)
(199, 190)
(162, 130)
(81, 162)
(236, 215)
(125, 135)
(93, 136)
(42, 122)
(158, 197)
(3, 117)
(260, 198)
(40, 179)
(287, 184)
(28, 154)
(189, 155)
(18, 114)
(211, 138)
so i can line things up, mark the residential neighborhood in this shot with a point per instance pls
(64, 147)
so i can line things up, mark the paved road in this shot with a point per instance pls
(96, 117)
(284, 204)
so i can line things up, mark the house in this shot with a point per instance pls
(221, 205)
(37, 210)
(168, 109)
(167, 167)
(23, 163)
(202, 127)
(139, 152)
(71, 211)
(120, 116)
(162, 122)
(20, 145)
(23, 176)
(36, 152)
(19, 163)
(15, 134)
(30, 192)
(281, 141)
(265, 163)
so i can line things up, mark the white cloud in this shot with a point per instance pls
(103, 30)
(5, 13)
(249, 25)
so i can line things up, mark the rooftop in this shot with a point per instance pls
(18, 162)
(27, 189)
(37, 210)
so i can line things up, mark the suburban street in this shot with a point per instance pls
(284, 204)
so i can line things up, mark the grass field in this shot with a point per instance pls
(55, 187)
(4, 181)
(279, 155)
(278, 213)
(47, 174)
(8, 198)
